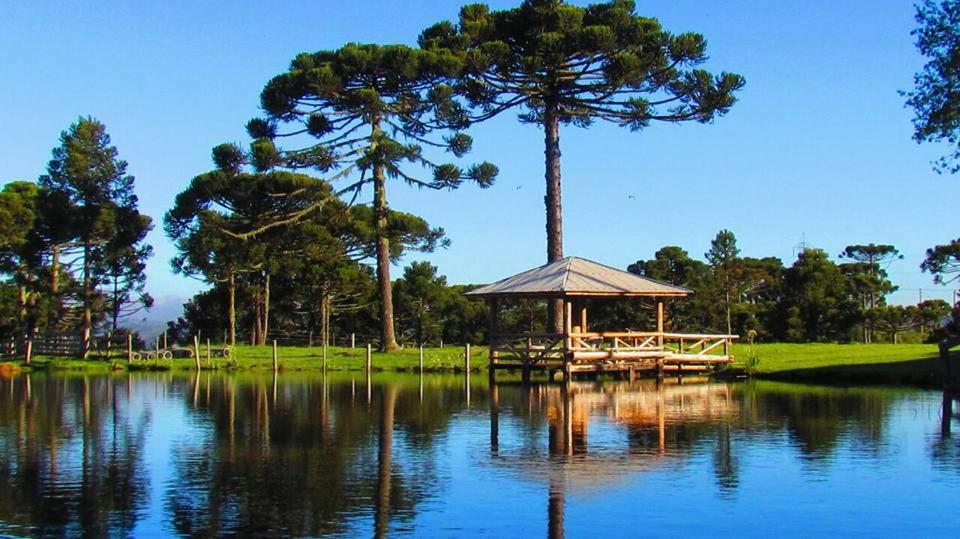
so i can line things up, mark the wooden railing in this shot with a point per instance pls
(677, 343)
(533, 348)
(527, 347)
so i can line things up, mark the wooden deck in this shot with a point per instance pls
(621, 352)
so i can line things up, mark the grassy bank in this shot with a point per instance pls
(246, 357)
(907, 364)
(901, 364)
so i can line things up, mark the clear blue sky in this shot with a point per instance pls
(818, 148)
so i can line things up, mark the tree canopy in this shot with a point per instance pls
(935, 98)
(560, 64)
(367, 111)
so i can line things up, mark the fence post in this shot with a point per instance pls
(28, 345)
(129, 347)
(196, 351)
(276, 366)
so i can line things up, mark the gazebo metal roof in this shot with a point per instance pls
(573, 276)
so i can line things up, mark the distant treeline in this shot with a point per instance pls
(814, 299)
(287, 258)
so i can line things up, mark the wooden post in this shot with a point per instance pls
(441, 344)
(28, 351)
(276, 364)
(421, 359)
(567, 339)
(369, 358)
(583, 316)
(196, 351)
(129, 347)
(466, 359)
(492, 307)
(208, 353)
(353, 340)
(660, 323)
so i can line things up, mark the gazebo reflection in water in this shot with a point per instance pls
(575, 281)
(641, 426)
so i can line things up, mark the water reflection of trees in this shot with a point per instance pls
(71, 456)
(945, 450)
(305, 457)
(817, 419)
(299, 456)
(676, 419)
(666, 424)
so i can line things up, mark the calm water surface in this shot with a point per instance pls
(149, 455)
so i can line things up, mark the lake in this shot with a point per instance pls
(245, 454)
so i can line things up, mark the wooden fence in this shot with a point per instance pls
(50, 344)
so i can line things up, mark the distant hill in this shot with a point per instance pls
(153, 323)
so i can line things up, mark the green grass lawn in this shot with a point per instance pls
(913, 364)
(246, 357)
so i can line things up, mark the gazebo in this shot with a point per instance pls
(575, 280)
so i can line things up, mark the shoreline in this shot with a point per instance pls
(916, 365)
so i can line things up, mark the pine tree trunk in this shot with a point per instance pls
(325, 318)
(388, 339)
(727, 303)
(55, 269)
(257, 317)
(552, 201)
(54, 310)
(87, 298)
(866, 336)
(232, 315)
(22, 302)
(115, 315)
(266, 309)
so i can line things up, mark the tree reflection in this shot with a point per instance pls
(666, 424)
(818, 418)
(308, 461)
(945, 452)
(71, 456)
(307, 455)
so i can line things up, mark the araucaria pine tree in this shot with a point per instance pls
(369, 109)
(105, 223)
(560, 64)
